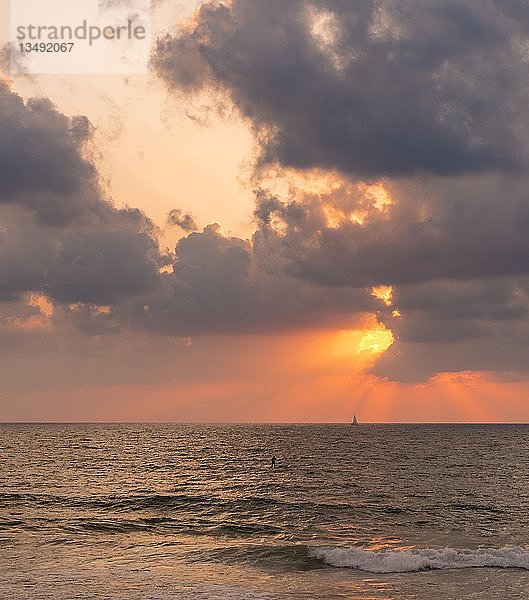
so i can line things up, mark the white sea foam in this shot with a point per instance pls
(404, 561)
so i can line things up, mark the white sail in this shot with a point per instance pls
(354, 421)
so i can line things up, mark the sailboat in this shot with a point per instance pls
(354, 421)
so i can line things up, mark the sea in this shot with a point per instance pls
(166, 511)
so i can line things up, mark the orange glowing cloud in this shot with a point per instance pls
(376, 341)
(384, 293)
(42, 303)
(41, 320)
(378, 194)
(350, 351)
(28, 324)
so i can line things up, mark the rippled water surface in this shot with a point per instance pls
(195, 511)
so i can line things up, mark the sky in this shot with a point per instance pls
(303, 211)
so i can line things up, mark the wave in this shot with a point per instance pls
(405, 561)
(282, 556)
(145, 502)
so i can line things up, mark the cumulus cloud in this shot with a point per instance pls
(41, 164)
(428, 98)
(185, 221)
(58, 234)
(434, 229)
(371, 88)
(220, 284)
(102, 266)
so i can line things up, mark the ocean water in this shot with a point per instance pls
(195, 511)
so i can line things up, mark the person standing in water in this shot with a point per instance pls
(273, 462)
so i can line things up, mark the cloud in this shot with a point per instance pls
(454, 254)
(418, 362)
(434, 229)
(399, 107)
(373, 88)
(58, 234)
(455, 326)
(185, 221)
(101, 265)
(221, 284)
(41, 163)
(428, 100)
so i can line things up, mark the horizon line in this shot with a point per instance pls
(148, 422)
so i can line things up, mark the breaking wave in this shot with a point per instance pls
(405, 561)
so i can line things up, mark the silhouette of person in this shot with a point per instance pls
(273, 462)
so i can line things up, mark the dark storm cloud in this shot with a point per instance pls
(218, 284)
(41, 163)
(456, 252)
(455, 326)
(57, 234)
(26, 252)
(458, 310)
(462, 228)
(495, 310)
(92, 321)
(432, 92)
(371, 88)
(100, 265)
(417, 362)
